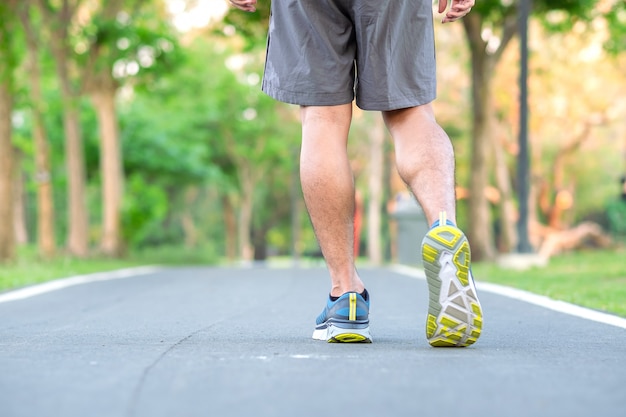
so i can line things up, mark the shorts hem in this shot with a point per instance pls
(394, 105)
(308, 99)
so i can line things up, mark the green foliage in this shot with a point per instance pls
(136, 44)
(557, 15)
(494, 11)
(616, 18)
(164, 139)
(10, 37)
(157, 146)
(576, 8)
(145, 207)
(164, 152)
(200, 125)
(251, 26)
(616, 213)
(192, 116)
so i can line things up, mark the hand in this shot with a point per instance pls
(246, 5)
(458, 9)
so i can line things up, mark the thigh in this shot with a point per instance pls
(310, 53)
(396, 54)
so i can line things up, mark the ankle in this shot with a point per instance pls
(339, 290)
(363, 294)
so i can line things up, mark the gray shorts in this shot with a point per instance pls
(324, 52)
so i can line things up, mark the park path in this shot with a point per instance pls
(236, 342)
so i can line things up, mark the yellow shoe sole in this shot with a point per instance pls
(349, 338)
(455, 317)
(334, 334)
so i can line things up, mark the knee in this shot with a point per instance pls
(418, 114)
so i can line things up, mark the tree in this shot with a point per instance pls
(126, 40)
(45, 201)
(168, 160)
(489, 29)
(253, 141)
(60, 20)
(100, 84)
(7, 64)
(485, 54)
(259, 145)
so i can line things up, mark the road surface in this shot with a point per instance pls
(236, 342)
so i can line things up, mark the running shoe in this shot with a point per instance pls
(345, 320)
(455, 317)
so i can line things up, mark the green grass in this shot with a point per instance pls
(593, 279)
(29, 269)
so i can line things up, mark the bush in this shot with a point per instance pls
(616, 214)
(145, 207)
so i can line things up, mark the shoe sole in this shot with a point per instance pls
(334, 334)
(455, 316)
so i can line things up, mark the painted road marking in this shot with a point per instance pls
(528, 297)
(55, 285)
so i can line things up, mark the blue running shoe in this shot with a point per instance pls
(455, 317)
(345, 320)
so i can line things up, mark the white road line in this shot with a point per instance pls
(55, 285)
(528, 297)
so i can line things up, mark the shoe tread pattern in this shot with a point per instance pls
(454, 312)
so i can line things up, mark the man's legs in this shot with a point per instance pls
(424, 158)
(328, 188)
(425, 161)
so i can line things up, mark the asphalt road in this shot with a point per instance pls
(236, 342)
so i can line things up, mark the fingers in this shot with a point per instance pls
(443, 4)
(458, 9)
(246, 5)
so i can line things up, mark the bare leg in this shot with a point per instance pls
(424, 158)
(425, 161)
(328, 188)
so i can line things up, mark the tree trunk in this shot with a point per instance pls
(507, 219)
(375, 185)
(259, 242)
(77, 243)
(19, 201)
(45, 193)
(230, 227)
(110, 171)
(189, 227)
(556, 209)
(7, 235)
(484, 60)
(77, 240)
(480, 229)
(296, 210)
(45, 200)
(246, 251)
(99, 83)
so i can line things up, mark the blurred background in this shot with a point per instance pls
(136, 130)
